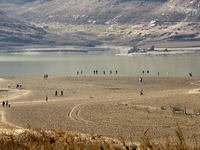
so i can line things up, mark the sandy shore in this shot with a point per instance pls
(164, 52)
(69, 50)
(108, 105)
(118, 50)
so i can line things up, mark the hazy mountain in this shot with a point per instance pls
(112, 22)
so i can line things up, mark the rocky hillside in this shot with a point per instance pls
(112, 22)
(102, 11)
(15, 32)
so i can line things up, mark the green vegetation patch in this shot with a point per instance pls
(67, 29)
(62, 29)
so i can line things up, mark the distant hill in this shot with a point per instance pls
(15, 32)
(112, 22)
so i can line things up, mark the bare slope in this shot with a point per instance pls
(15, 32)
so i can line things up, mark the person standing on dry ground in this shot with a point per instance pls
(141, 92)
(61, 93)
(140, 79)
(46, 98)
(190, 74)
(3, 103)
(143, 72)
(56, 93)
(167, 72)
(6, 103)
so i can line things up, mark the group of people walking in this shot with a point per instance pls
(158, 73)
(56, 94)
(97, 72)
(78, 72)
(5, 103)
(46, 76)
(18, 85)
(104, 72)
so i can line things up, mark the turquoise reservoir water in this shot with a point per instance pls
(38, 64)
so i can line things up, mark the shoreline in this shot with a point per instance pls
(74, 50)
(120, 51)
(165, 52)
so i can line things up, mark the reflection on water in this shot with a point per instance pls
(36, 64)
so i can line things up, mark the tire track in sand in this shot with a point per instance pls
(76, 110)
(74, 113)
(16, 94)
(198, 83)
(194, 91)
(3, 120)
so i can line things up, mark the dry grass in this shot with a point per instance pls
(39, 139)
(179, 144)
